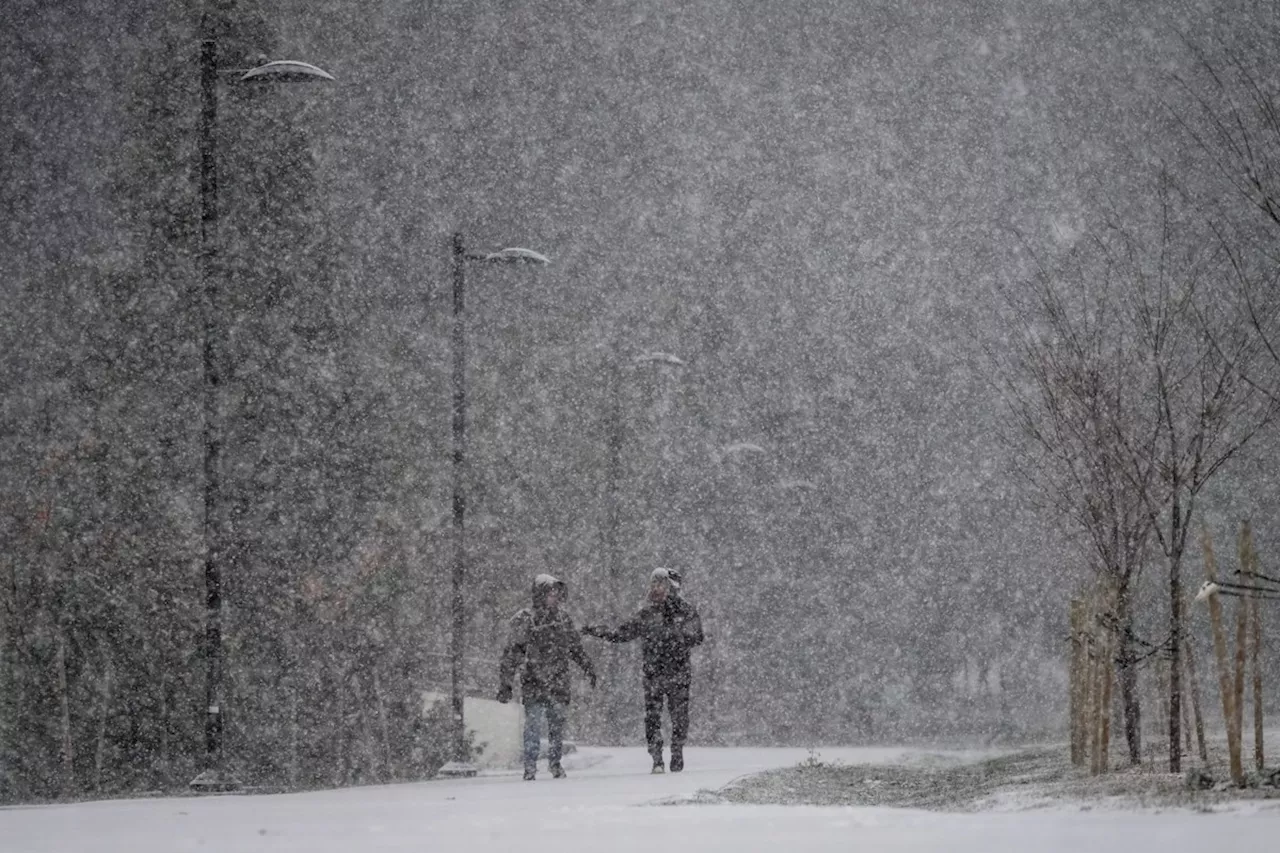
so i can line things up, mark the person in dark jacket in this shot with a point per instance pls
(668, 627)
(543, 638)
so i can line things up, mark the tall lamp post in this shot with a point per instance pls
(215, 775)
(461, 764)
(613, 513)
(659, 359)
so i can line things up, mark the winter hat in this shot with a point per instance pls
(671, 576)
(543, 584)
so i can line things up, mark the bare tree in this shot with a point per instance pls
(1235, 123)
(1070, 389)
(1193, 353)
(1129, 380)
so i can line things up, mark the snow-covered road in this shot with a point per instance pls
(607, 805)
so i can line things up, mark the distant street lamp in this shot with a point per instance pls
(614, 688)
(660, 358)
(215, 776)
(461, 764)
(717, 614)
(663, 464)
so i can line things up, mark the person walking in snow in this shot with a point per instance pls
(668, 627)
(543, 638)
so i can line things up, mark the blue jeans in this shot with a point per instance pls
(555, 713)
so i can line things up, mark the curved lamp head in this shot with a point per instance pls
(517, 256)
(663, 357)
(742, 447)
(286, 71)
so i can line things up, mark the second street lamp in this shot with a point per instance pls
(461, 764)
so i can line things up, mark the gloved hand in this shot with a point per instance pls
(504, 694)
(592, 630)
(591, 679)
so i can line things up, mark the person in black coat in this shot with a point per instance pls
(668, 628)
(543, 638)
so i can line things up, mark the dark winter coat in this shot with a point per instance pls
(667, 632)
(544, 641)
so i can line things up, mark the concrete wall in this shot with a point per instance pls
(497, 727)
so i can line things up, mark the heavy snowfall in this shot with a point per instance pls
(858, 392)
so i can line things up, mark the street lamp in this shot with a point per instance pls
(663, 458)
(613, 697)
(461, 764)
(215, 776)
(717, 614)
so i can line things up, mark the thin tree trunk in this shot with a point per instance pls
(67, 754)
(1162, 693)
(384, 729)
(165, 770)
(342, 737)
(292, 768)
(1194, 689)
(1095, 710)
(104, 708)
(10, 678)
(1175, 634)
(1128, 676)
(1186, 727)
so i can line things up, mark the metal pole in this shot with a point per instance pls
(461, 764)
(211, 777)
(461, 753)
(614, 697)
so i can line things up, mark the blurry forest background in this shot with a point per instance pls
(815, 205)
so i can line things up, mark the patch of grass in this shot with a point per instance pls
(1026, 779)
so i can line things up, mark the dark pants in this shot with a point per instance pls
(675, 691)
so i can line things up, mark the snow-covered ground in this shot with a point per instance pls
(609, 804)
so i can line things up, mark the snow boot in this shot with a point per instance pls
(530, 773)
(677, 759)
(557, 772)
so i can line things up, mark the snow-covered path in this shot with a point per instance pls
(605, 806)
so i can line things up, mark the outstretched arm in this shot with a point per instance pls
(691, 629)
(579, 656)
(626, 632)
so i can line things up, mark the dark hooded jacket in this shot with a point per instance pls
(544, 641)
(667, 631)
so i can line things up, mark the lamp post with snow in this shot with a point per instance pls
(461, 764)
(215, 776)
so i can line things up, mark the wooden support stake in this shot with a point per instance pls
(1186, 726)
(1250, 569)
(1077, 684)
(1095, 709)
(1242, 643)
(1104, 705)
(1225, 687)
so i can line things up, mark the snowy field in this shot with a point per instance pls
(609, 804)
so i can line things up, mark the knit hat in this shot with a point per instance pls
(671, 576)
